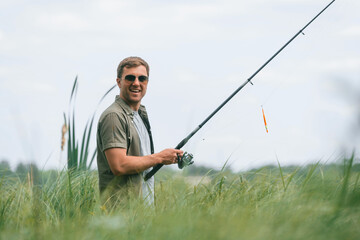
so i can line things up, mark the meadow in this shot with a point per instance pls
(317, 201)
(311, 202)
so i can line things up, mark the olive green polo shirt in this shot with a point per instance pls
(117, 130)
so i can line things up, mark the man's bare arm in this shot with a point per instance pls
(121, 164)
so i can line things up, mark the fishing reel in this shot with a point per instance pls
(185, 160)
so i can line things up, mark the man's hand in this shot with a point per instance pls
(169, 156)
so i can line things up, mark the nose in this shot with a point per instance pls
(136, 81)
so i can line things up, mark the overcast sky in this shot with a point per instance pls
(199, 52)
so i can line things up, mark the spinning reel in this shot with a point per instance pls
(185, 160)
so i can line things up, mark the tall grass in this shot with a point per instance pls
(318, 202)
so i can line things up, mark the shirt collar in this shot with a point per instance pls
(128, 110)
(123, 105)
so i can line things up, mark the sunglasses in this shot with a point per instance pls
(131, 78)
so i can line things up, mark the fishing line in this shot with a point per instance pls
(188, 157)
(264, 102)
(272, 92)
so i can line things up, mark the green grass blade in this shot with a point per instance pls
(92, 159)
(88, 142)
(74, 88)
(310, 173)
(347, 173)
(108, 91)
(291, 178)
(281, 174)
(69, 148)
(64, 118)
(356, 181)
(223, 167)
(82, 149)
(74, 154)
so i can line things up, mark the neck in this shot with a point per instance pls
(133, 106)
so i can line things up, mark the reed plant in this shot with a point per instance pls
(78, 151)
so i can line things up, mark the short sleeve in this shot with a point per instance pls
(112, 131)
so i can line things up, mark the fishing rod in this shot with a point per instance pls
(186, 160)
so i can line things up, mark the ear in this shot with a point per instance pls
(118, 80)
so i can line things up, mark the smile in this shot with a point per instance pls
(135, 90)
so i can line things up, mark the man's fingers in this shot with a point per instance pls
(172, 155)
(178, 151)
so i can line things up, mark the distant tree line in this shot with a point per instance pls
(25, 172)
(30, 172)
(200, 170)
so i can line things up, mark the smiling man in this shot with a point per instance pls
(124, 141)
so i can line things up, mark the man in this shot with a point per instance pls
(124, 141)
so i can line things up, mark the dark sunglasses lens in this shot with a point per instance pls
(143, 78)
(130, 78)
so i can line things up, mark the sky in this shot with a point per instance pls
(199, 52)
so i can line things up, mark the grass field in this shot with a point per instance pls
(313, 202)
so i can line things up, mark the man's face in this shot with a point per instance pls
(133, 85)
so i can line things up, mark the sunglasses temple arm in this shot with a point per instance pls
(185, 140)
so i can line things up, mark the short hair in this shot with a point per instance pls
(130, 62)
